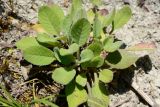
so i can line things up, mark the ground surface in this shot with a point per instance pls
(17, 16)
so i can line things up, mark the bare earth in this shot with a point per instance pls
(144, 26)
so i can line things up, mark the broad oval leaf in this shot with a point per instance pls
(72, 49)
(81, 79)
(26, 43)
(51, 18)
(39, 55)
(106, 75)
(96, 61)
(122, 16)
(76, 92)
(66, 60)
(111, 46)
(109, 18)
(80, 31)
(121, 59)
(63, 75)
(47, 40)
(86, 55)
(96, 47)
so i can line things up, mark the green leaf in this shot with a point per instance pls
(98, 96)
(96, 2)
(47, 40)
(90, 15)
(72, 49)
(66, 60)
(122, 16)
(106, 75)
(45, 102)
(75, 92)
(51, 18)
(86, 55)
(111, 46)
(39, 55)
(26, 43)
(96, 47)
(81, 79)
(95, 62)
(63, 75)
(67, 23)
(80, 31)
(76, 6)
(97, 27)
(109, 18)
(121, 59)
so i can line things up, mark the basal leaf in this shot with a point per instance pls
(96, 2)
(90, 15)
(51, 18)
(122, 16)
(72, 49)
(66, 60)
(109, 18)
(111, 46)
(97, 62)
(80, 31)
(96, 47)
(121, 59)
(97, 27)
(63, 75)
(86, 55)
(67, 25)
(47, 40)
(106, 75)
(39, 55)
(26, 43)
(99, 96)
(75, 92)
(81, 79)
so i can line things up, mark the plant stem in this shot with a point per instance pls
(112, 28)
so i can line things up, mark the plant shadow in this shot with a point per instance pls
(123, 78)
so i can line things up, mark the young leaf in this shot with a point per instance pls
(26, 43)
(75, 92)
(96, 47)
(109, 18)
(81, 79)
(72, 49)
(90, 15)
(86, 55)
(63, 75)
(111, 46)
(99, 95)
(96, 2)
(51, 18)
(76, 6)
(97, 27)
(106, 75)
(67, 22)
(122, 16)
(95, 62)
(47, 40)
(39, 55)
(80, 31)
(66, 60)
(121, 59)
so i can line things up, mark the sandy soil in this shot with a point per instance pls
(143, 27)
